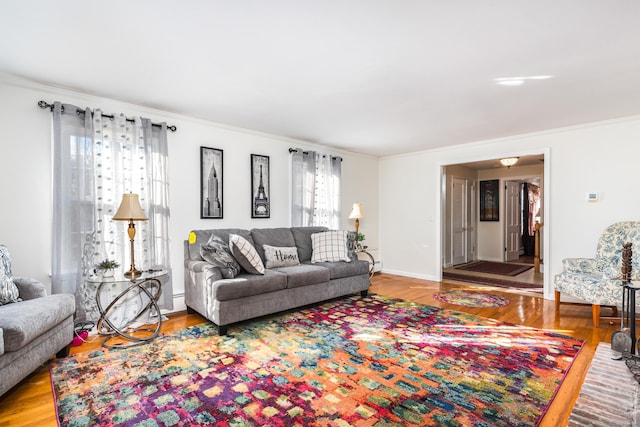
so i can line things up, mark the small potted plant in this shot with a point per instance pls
(106, 268)
(359, 240)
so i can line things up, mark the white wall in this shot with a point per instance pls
(596, 157)
(25, 173)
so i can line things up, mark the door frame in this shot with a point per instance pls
(440, 204)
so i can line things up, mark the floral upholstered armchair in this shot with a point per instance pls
(598, 280)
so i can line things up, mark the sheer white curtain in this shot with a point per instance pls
(96, 160)
(315, 189)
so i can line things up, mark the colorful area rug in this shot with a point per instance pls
(609, 396)
(359, 361)
(502, 268)
(470, 298)
(501, 283)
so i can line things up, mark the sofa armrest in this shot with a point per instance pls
(29, 288)
(203, 270)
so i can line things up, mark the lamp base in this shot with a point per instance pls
(133, 273)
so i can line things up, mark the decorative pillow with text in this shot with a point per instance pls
(280, 257)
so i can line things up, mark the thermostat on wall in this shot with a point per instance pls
(593, 197)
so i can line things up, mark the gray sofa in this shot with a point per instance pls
(33, 330)
(227, 301)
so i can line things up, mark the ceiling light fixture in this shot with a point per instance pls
(509, 161)
(519, 81)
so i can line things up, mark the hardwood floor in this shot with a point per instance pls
(31, 402)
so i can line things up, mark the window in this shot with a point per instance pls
(315, 189)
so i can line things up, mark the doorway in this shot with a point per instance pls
(464, 237)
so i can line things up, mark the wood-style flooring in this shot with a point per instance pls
(31, 402)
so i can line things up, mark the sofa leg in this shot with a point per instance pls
(64, 352)
(190, 310)
(364, 293)
(595, 313)
(222, 330)
(557, 298)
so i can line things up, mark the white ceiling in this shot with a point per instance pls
(380, 77)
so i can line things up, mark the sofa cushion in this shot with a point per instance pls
(330, 246)
(281, 237)
(304, 275)
(24, 321)
(197, 238)
(216, 251)
(338, 270)
(302, 237)
(280, 257)
(245, 285)
(246, 255)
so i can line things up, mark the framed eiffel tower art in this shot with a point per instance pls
(260, 187)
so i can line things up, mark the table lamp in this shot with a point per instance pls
(130, 210)
(356, 213)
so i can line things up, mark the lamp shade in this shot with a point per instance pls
(356, 211)
(130, 209)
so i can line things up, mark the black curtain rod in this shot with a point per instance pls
(293, 150)
(45, 104)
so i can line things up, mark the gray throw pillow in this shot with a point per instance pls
(8, 290)
(217, 252)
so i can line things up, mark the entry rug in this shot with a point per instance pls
(470, 298)
(369, 361)
(503, 268)
(480, 280)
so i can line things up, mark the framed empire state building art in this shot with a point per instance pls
(210, 182)
(260, 188)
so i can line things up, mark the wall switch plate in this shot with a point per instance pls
(592, 197)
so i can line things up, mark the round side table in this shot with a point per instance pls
(122, 301)
(372, 261)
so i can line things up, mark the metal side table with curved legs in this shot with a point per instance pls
(135, 297)
(372, 262)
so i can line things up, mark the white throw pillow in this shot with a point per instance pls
(245, 254)
(280, 256)
(330, 246)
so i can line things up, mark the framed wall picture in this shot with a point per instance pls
(490, 200)
(211, 183)
(260, 187)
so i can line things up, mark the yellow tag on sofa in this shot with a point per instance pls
(192, 238)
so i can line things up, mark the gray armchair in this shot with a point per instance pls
(33, 326)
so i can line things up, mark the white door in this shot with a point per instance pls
(471, 221)
(459, 221)
(513, 223)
